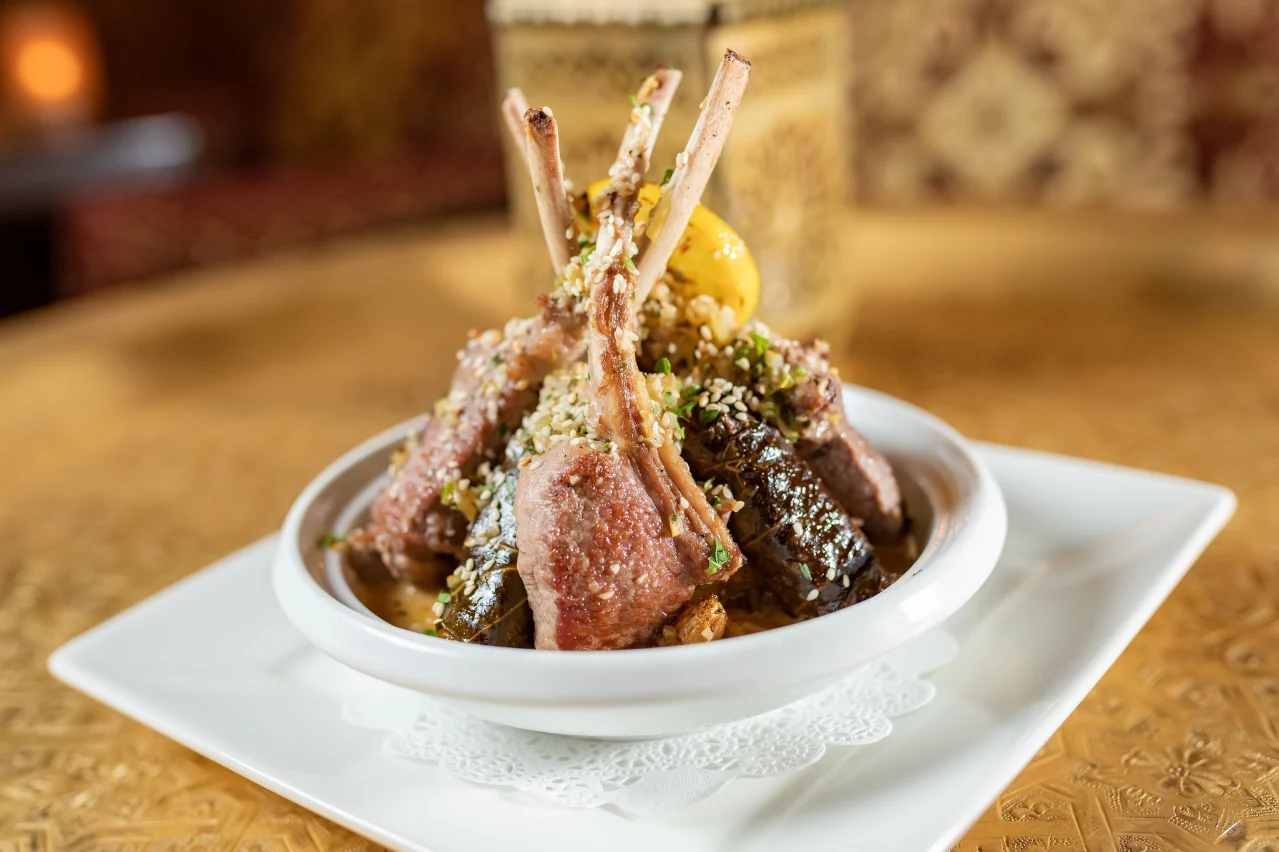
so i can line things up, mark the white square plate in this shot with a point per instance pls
(1092, 551)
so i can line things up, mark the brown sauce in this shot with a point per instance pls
(402, 604)
(410, 607)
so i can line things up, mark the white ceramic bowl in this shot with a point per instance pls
(959, 516)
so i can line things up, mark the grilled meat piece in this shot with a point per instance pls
(858, 477)
(795, 535)
(495, 385)
(496, 612)
(615, 542)
(597, 555)
(498, 378)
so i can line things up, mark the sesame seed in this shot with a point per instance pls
(846, 582)
(615, 567)
(798, 527)
(573, 480)
(605, 595)
(812, 596)
(830, 575)
(437, 608)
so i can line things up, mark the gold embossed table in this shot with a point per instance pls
(144, 435)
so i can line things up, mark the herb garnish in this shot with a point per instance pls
(663, 366)
(761, 343)
(331, 540)
(428, 632)
(708, 415)
(666, 178)
(718, 557)
(628, 265)
(444, 597)
(803, 569)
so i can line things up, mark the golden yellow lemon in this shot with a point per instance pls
(710, 258)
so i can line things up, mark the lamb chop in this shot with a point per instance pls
(856, 474)
(498, 374)
(614, 534)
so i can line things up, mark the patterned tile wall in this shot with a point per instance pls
(1134, 104)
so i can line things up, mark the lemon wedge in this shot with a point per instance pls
(710, 258)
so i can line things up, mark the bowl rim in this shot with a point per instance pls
(952, 565)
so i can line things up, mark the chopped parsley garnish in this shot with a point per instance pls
(787, 381)
(682, 410)
(510, 487)
(708, 484)
(497, 358)
(331, 540)
(719, 555)
(501, 430)
(666, 178)
(761, 343)
(428, 632)
(608, 446)
(634, 102)
(586, 253)
(801, 372)
(628, 265)
(708, 415)
(664, 366)
(803, 569)
(715, 501)
(668, 397)
(678, 430)
(444, 597)
(446, 493)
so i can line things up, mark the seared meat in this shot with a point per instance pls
(796, 536)
(495, 384)
(857, 475)
(489, 606)
(599, 561)
(497, 379)
(614, 533)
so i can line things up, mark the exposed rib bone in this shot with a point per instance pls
(651, 104)
(514, 106)
(693, 169)
(548, 184)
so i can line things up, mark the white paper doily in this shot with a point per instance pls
(653, 776)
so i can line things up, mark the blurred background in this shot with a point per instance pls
(1029, 143)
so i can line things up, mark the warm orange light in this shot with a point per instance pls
(49, 70)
